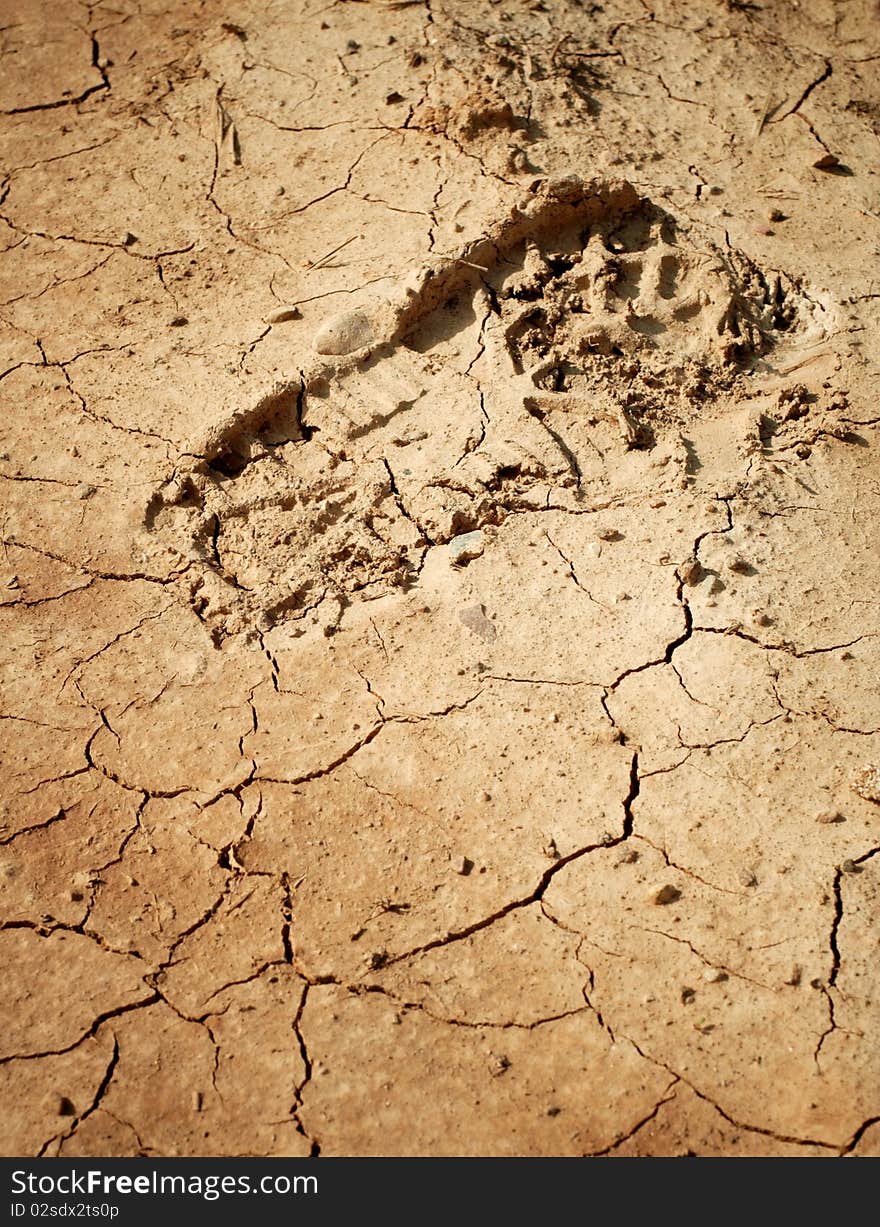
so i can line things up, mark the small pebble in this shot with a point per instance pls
(462, 865)
(283, 314)
(690, 572)
(795, 975)
(466, 547)
(714, 975)
(174, 493)
(178, 322)
(828, 161)
(666, 894)
(84, 491)
(344, 333)
(127, 238)
(827, 816)
(867, 783)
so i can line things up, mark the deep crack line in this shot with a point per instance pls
(792, 1139)
(835, 927)
(308, 1069)
(547, 877)
(668, 1096)
(87, 1035)
(102, 1088)
(793, 110)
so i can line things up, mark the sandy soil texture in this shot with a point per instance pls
(439, 583)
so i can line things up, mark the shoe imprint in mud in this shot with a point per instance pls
(578, 325)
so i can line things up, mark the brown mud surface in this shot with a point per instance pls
(439, 578)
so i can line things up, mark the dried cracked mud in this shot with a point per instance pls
(439, 579)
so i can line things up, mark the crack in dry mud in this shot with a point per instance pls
(427, 608)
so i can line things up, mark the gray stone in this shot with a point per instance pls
(466, 547)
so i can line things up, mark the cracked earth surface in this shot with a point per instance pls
(440, 631)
